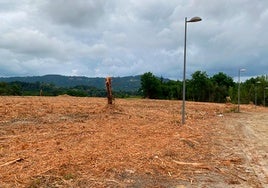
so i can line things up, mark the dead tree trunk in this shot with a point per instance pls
(108, 83)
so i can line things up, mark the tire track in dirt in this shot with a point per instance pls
(256, 130)
(252, 129)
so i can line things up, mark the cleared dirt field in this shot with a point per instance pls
(81, 142)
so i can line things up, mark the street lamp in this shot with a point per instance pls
(194, 19)
(264, 95)
(239, 72)
(255, 87)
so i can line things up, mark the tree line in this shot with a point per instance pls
(203, 88)
(200, 87)
(47, 89)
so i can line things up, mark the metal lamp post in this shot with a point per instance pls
(255, 87)
(194, 19)
(239, 72)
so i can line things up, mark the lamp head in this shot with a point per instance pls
(195, 19)
(242, 70)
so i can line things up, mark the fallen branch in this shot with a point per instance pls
(12, 162)
(201, 165)
(187, 163)
(242, 178)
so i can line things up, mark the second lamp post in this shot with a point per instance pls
(238, 97)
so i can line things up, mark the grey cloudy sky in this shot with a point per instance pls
(130, 37)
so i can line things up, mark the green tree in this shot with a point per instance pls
(10, 88)
(15, 89)
(3, 88)
(253, 88)
(199, 86)
(221, 86)
(150, 86)
(172, 89)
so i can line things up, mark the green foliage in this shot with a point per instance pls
(34, 89)
(203, 88)
(200, 87)
(151, 86)
(222, 87)
(156, 88)
(253, 91)
(10, 89)
(128, 83)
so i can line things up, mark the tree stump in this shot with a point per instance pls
(108, 83)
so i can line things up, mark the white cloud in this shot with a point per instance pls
(77, 14)
(31, 42)
(120, 38)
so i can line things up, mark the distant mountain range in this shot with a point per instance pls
(128, 83)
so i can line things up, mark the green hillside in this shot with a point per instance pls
(129, 83)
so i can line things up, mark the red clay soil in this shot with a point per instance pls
(83, 142)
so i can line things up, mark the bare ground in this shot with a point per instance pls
(82, 142)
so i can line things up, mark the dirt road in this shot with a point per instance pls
(242, 139)
(252, 129)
